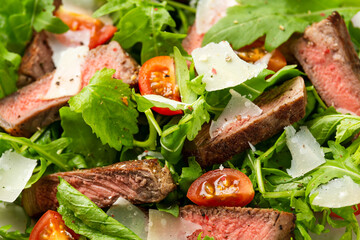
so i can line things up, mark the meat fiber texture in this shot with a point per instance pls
(240, 223)
(36, 61)
(26, 110)
(328, 57)
(281, 107)
(139, 181)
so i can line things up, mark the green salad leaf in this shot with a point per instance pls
(5, 234)
(250, 20)
(106, 106)
(84, 217)
(84, 141)
(143, 22)
(189, 174)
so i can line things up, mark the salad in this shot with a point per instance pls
(209, 119)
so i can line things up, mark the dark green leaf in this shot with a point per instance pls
(278, 20)
(84, 141)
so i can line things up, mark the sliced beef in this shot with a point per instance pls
(192, 40)
(139, 181)
(240, 223)
(37, 60)
(329, 59)
(26, 110)
(281, 107)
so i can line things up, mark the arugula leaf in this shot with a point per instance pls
(48, 151)
(346, 129)
(84, 141)
(144, 24)
(183, 78)
(173, 209)
(84, 217)
(247, 22)
(197, 85)
(106, 106)
(174, 135)
(189, 174)
(253, 87)
(325, 125)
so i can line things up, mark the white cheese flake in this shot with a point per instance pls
(163, 225)
(238, 106)
(130, 216)
(305, 151)
(15, 172)
(14, 215)
(356, 20)
(223, 68)
(67, 78)
(208, 12)
(337, 193)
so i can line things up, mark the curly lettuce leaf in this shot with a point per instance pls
(106, 106)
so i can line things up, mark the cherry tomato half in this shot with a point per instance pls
(99, 33)
(255, 51)
(356, 211)
(227, 187)
(51, 227)
(157, 76)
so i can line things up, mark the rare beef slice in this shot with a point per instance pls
(139, 181)
(328, 57)
(281, 106)
(239, 223)
(27, 110)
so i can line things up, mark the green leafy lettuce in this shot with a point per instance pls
(84, 217)
(84, 141)
(250, 20)
(143, 22)
(106, 106)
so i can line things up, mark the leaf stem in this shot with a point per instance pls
(33, 138)
(317, 97)
(182, 6)
(47, 155)
(284, 194)
(154, 128)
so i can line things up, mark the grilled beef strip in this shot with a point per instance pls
(139, 181)
(37, 60)
(328, 57)
(281, 107)
(239, 223)
(25, 111)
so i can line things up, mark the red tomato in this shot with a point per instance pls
(99, 33)
(51, 227)
(227, 187)
(356, 211)
(157, 76)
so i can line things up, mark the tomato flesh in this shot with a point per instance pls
(356, 211)
(157, 76)
(51, 227)
(99, 32)
(226, 187)
(256, 51)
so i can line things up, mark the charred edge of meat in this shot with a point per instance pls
(281, 107)
(328, 57)
(240, 223)
(37, 60)
(139, 181)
